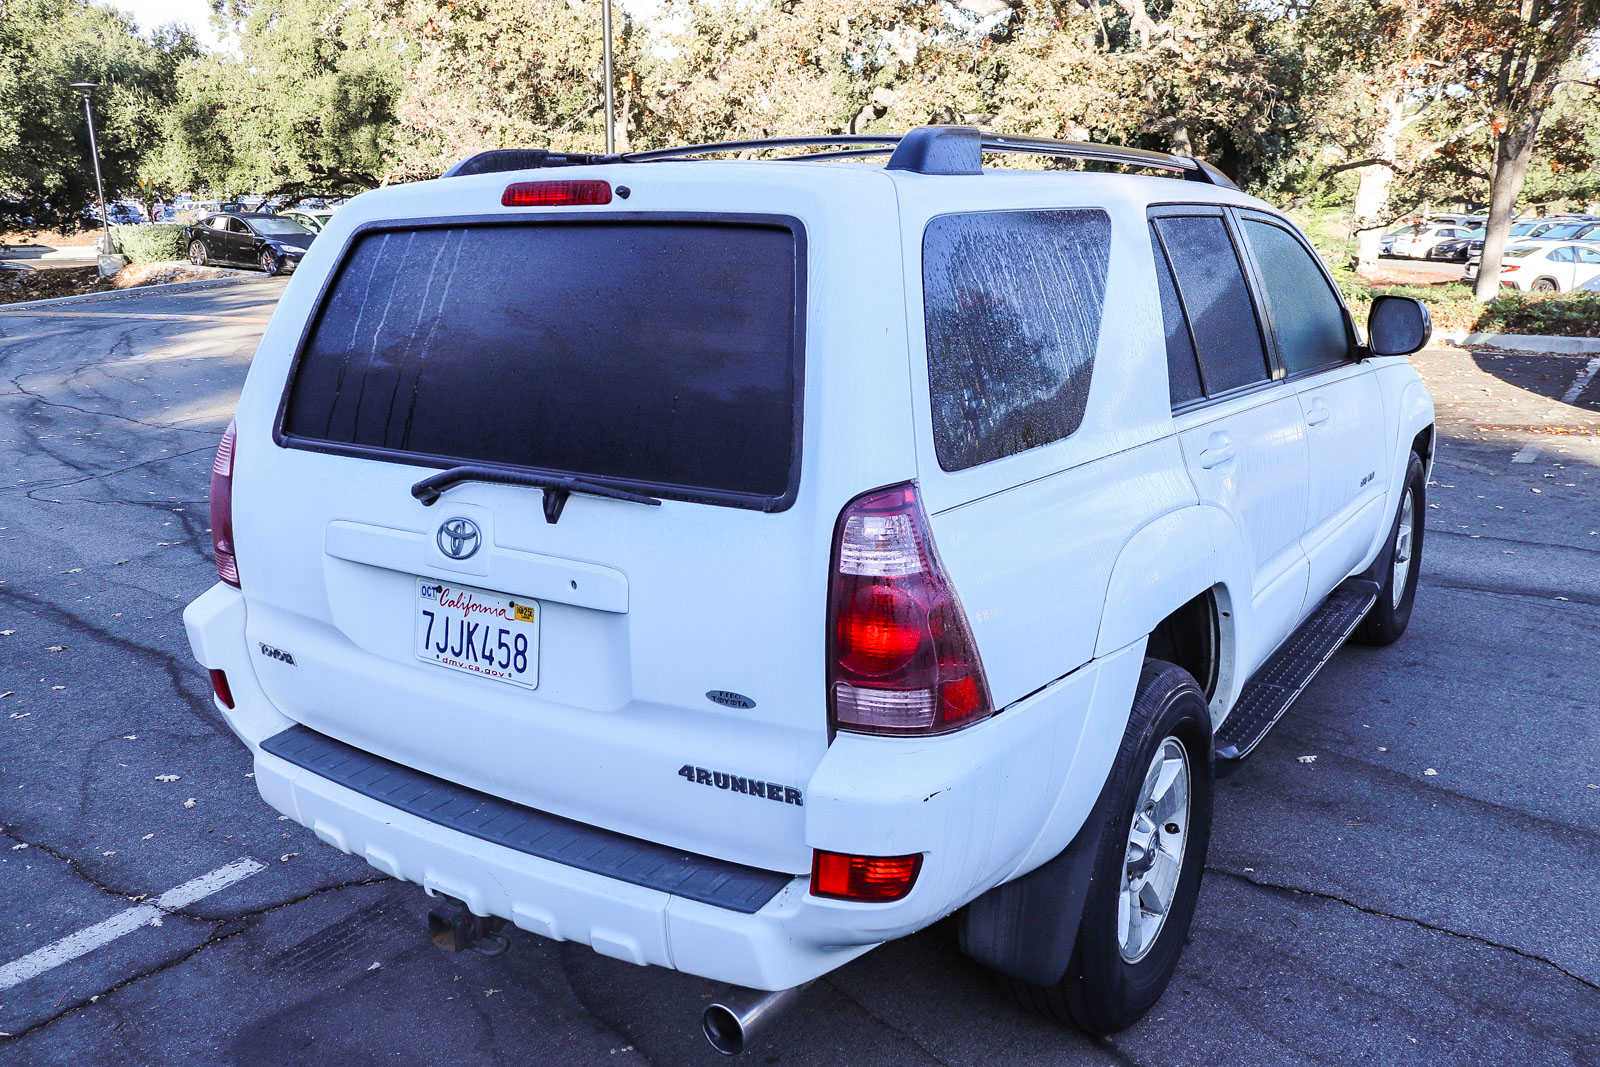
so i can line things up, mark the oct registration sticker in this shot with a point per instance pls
(478, 631)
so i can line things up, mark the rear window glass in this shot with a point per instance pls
(1012, 306)
(1183, 373)
(1211, 286)
(659, 354)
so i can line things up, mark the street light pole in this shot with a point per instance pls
(86, 89)
(605, 32)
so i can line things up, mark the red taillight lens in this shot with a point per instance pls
(219, 686)
(901, 657)
(1509, 267)
(556, 193)
(863, 878)
(222, 509)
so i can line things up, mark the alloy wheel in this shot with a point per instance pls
(1153, 860)
(1402, 549)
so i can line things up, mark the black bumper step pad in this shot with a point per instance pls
(537, 833)
(1272, 690)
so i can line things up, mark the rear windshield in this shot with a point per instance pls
(659, 354)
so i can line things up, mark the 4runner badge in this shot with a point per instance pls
(755, 787)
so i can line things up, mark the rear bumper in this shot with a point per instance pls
(983, 806)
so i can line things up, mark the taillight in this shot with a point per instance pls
(556, 193)
(222, 509)
(219, 686)
(901, 659)
(1509, 267)
(865, 878)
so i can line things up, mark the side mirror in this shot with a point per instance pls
(1398, 326)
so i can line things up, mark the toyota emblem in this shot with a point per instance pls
(459, 538)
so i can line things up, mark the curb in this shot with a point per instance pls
(1525, 342)
(137, 290)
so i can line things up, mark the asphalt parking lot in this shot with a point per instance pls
(1422, 891)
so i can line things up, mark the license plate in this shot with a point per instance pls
(478, 631)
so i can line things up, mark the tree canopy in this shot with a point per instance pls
(46, 176)
(1384, 103)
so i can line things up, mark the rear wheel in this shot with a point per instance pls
(1545, 285)
(197, 253)
(1147, 871)
(1399, 564)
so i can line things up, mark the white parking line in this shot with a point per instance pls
(1528, 453)
(103, 933)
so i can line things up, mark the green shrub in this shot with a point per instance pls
(151, 243)
(1568, 314)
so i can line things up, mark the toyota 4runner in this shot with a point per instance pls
(734, 565)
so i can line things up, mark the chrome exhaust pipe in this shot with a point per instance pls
(739, 1016)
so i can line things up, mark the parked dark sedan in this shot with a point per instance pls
(248, 239)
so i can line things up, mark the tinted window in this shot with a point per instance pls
(660, 354)
(1012, 305)
(1211, 285)
(1563, 255)
(1183, 376)
(1588, 255)
(277, 226)
(1306, 316)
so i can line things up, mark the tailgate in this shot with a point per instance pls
(652, 669)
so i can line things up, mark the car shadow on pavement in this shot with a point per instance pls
(1545, 374)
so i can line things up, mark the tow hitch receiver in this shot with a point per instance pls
(453, 928)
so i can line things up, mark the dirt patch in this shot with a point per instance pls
(19, 286)
(50, 239)
(1390, 274)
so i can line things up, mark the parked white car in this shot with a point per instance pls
(735, 565)
(1418, 241)
(1545, 266)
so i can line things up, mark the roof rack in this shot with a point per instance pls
(924, 150)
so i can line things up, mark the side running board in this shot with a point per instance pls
(1273, 689)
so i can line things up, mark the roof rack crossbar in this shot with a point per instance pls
(713, 147)
(924, 150)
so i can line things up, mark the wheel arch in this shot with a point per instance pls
(1415, 432)
(1186, 561)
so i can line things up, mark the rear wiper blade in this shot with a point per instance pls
(557, 487)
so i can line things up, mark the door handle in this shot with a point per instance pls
(1219, 452)
(1319, 413)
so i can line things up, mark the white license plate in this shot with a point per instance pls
(478, 631)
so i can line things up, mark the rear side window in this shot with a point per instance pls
(660, 354)
(1306, 315)
(1012, 302)
(1212, 289)
(1183, 373)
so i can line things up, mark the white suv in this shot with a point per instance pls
(734, 565)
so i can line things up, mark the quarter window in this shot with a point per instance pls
(1306, 316)
(1012, 303)
(1211, 286)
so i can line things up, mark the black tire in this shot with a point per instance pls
(1546, 285)
(268, 261)
(1388, 618)
(1101, 991)
(197, 253)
